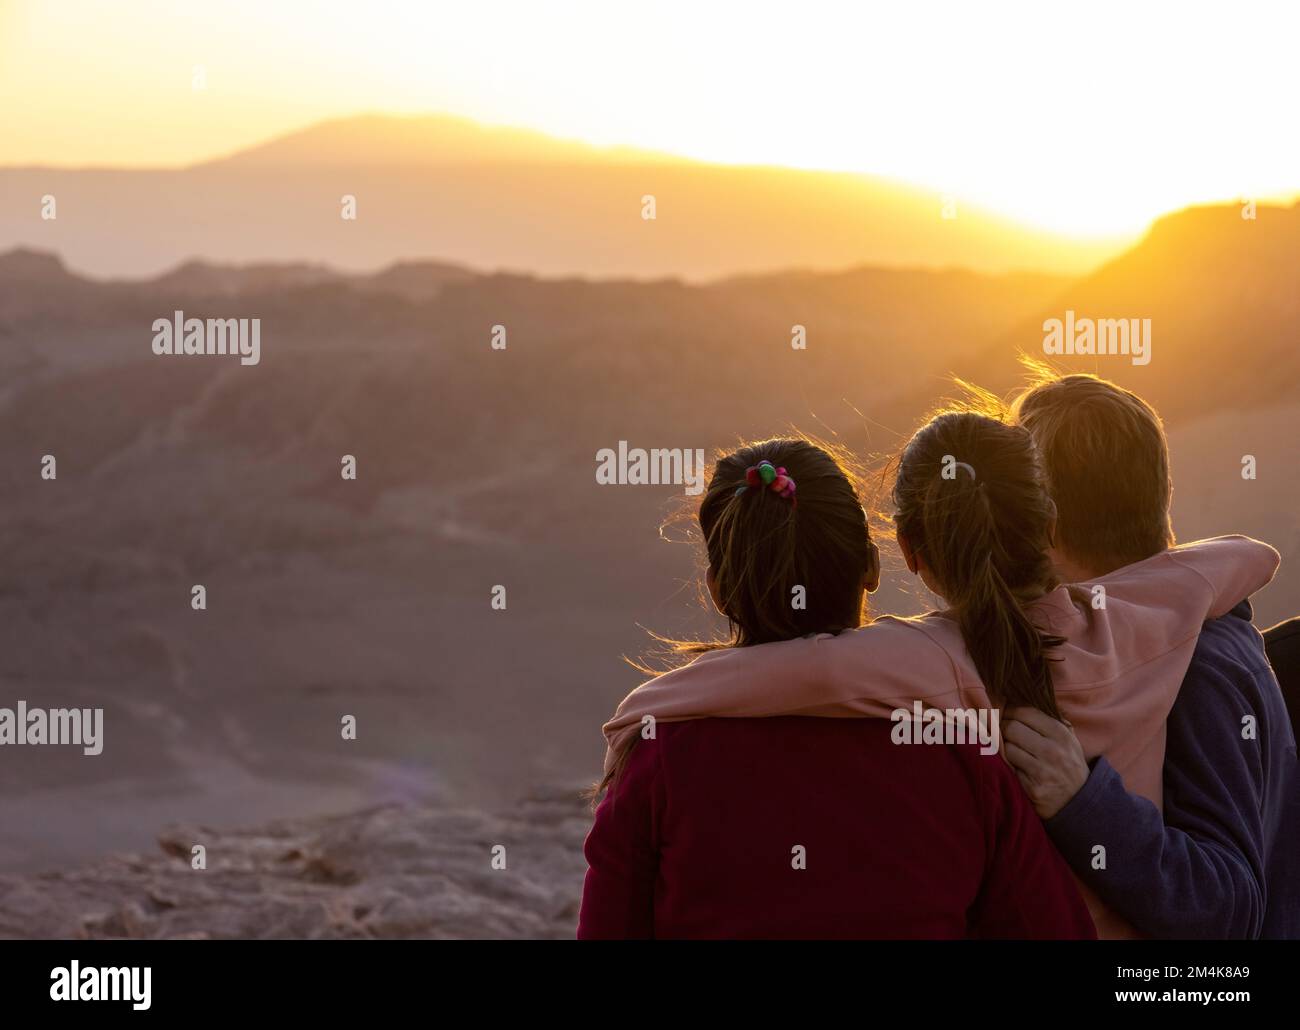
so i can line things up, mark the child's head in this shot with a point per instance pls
(974, 519)
(1107, 463)
(788, 549)
(785, 561)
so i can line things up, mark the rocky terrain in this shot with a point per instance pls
(390, 872)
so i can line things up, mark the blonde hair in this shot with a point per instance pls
(1107, 461)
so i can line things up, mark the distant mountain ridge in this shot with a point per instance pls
(1223, 297)
(505, 198)
(374, 139)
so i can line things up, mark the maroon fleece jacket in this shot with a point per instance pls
(820, 828)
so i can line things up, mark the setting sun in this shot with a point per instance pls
(1085, 128)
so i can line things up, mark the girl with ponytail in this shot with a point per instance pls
(977, 532)
(973, 518)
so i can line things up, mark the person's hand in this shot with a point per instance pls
(1046, 756)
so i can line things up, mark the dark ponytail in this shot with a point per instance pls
(760, 546)
(972, 503)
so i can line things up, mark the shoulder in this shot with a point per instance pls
(929, 642)
(1229, 667)
(1230, 647)
(675, 739)
(816, 749)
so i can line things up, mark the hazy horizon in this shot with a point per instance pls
(357, 193)
(551, 148)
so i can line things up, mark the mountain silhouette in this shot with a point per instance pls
(494, 198)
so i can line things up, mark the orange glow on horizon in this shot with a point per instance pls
(1090, 130)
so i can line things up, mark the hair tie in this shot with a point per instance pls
(765, 474)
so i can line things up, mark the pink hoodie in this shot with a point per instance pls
(1117, 678)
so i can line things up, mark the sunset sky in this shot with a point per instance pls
(1088, 126)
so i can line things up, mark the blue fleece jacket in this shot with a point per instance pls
(1224, 862)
